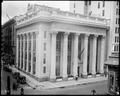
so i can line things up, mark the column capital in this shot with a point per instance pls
(31, 33)
(76, 34)
(86, 35)
(54, 32)
(103, 36)
(66, 33)
(95, 35)
(37, 32)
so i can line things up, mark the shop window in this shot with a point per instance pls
(111, 82)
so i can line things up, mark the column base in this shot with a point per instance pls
(84, 76)
(52, 79)
(93, 75)
(102, 74)
(64, 78)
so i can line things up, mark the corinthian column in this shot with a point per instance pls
(23, 52)
(65, 54)
(32, 53)
(75, 62)
(17, 53)
(85, 55)
(53, 57)
(20, 50)
(102, 55)
(94, 55)
(27, 52)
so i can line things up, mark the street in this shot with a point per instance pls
(100, 88)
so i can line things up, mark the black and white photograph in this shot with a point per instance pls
(59, 47)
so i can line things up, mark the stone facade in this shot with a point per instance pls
(54, 40)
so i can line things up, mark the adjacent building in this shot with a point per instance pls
(8, 41)
(113, 75)
(103, 9)
(54, 44)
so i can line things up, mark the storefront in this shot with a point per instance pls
(113, 69)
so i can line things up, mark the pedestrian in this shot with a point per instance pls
(93, 91)
(22, 91)
(76, 78)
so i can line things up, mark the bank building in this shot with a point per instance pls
(54, 44)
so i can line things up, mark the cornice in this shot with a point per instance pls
(51, 15)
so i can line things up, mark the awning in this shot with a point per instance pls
(112, 61)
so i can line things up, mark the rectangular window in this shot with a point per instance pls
(118, 40)
(118, 29)
(44, 60)
(44, 69)
(117, 11)
(117, 2)
(85, 3)
(44, 46)
(89, 2)
(74, 11)
(115, 30)
(74, 5)
(98, 5)
(45, 33)
(115, 39)
(114, 48)
(116, 20)
(103, 12)
(103, 3)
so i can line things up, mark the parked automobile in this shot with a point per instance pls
(21, 79)
(16, 75)
(6, 68)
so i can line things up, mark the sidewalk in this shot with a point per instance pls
(71, 82)
(49, 85)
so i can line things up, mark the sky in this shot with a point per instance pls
(13, 8)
